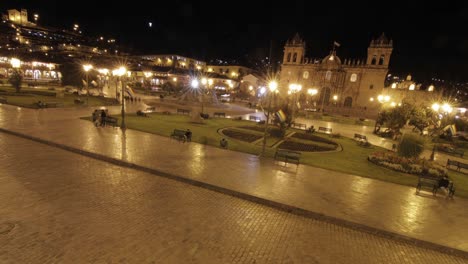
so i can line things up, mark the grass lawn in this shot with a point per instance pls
(352, 159)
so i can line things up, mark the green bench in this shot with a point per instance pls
(111, 121)
(179, 134)
(288, 156)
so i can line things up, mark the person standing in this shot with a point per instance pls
(103, 117)
(188, 135)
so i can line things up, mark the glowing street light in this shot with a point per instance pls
(312, 91)
(447, 108)
(87, 68)
(435, 107)
(121, 72)
(272, 86)
(15, 63)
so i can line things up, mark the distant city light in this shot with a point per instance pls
(150, 24)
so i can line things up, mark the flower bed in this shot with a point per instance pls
(298, 146)
(314, 138)
(405, 165)
(254, 128)
(236, 134)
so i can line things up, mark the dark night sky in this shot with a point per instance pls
(430, 40)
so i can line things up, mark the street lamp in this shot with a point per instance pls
(272, 86)
(294, 89)
(121, 72)
(87, 68)
(335, 98)
(196, 85)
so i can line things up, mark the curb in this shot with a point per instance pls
(276, 205)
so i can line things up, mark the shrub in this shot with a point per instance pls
(277, 132)
(411, 146)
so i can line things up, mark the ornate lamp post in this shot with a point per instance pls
(87, 68)
(272, 86)
(122, 71)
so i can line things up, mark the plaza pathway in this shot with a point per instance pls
(61, 207)
(364, 201)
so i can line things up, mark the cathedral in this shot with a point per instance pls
(350, 83)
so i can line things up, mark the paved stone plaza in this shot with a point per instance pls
(60, 207)
(372, 203)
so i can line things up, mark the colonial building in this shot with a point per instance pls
(348, 83)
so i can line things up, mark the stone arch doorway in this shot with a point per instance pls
(348, 102)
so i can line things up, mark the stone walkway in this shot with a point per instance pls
(91, 211)
(364, 201)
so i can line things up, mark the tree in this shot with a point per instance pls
(16, 79)
(421, 118)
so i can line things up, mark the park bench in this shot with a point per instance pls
(141, 113)
(179, 134)
(3, 100)
(361, 139)
(459, 165)
(429, 183)
(451, 150)
(326, 130)
(287, 156)
(51, 104)
(432, 184)
(151, 109)
(299, 125)
(183, 111)
(78, 101)
(219, 114)
(254, 118)
(111, 121)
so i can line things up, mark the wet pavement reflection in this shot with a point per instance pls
(374, 203)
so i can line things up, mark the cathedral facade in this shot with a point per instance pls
(349, 83)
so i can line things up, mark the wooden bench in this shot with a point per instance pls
(254, 118)
(287, 156)
(427, 183)
(78, 101)
(219, 114)
(151, 109)
(451, 150)
(51, 104)
(459, 165)
(361, 139)
(299, 125)
(183, 111)
(432, 184)
(326, 130)
(112, 121)
(179, 134)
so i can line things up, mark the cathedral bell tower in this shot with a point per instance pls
(379, 52)
(294, 51)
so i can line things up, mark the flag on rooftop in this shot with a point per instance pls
(336, 43)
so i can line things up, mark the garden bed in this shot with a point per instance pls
(239, 135)
(254, 128)
(298, 146)
(314, 138)
(411, 166)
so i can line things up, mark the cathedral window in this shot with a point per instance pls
(328, 75)
(371, 87)
(381, 60)
(353, 77)
(289, 57)
(305, 75)
(374, 60)
(295, 57)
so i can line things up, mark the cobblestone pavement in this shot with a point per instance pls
(93, 212)
(373, 203)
